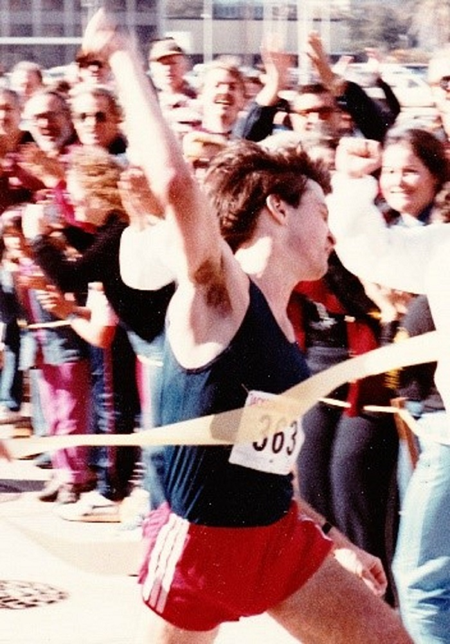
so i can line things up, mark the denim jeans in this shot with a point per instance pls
(422, 560)
(115, 409)
(148, 370)
(11, 380)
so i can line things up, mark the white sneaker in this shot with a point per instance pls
(91, 508)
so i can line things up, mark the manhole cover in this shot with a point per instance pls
(27, 594)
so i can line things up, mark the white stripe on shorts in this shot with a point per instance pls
(163, 560)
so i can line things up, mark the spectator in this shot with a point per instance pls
(408, 258)
(168, 64)
(92, 71)
(317, 106)
(61, 357)
(50, 123)
(222, 98)
(97, 118)
(347, 464)
(93, 187)
(26, 79)
(16, 185)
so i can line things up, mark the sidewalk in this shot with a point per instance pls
(75, 583)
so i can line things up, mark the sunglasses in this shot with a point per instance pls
(99, 117)
(444, 83)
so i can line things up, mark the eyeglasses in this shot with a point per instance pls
(99, 117)
(444, 83)
(323, 112)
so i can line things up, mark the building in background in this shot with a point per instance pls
(49, 31)
(237, 27)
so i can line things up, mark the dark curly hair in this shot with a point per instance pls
(243, 175)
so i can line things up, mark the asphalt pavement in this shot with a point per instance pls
(75, 583)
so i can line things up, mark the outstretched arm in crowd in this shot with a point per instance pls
(158, 152)
(205, 268)
(259, 121)
(394, 257)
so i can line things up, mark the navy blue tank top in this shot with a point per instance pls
(201, 484)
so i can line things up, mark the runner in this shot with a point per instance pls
(233, 542)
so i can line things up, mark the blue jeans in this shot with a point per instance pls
(422, 560)
(11, 379)
(148, 381)
(115, 409)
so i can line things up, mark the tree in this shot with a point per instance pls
(375, 24)
(431, 23)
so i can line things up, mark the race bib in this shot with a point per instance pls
(275, 454)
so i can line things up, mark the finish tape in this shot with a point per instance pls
(255, 422)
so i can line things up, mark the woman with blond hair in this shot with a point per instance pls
(93, 189)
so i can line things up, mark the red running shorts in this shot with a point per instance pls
(197, 577)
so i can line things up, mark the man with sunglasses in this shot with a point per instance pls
(326, 105)
(97, 118)
(314, 109)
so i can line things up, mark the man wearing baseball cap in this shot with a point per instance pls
(168, 64)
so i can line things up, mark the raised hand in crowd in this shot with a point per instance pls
(276, 63)
(137, 197)
(43, 165)
(41, 218)
(358, 157)
(320, 59)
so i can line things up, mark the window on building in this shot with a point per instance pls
(21, 30)
(53, 30)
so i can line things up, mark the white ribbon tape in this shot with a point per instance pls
(254, 422)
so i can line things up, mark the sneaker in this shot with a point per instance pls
(92, 507)
(71, 492)
(49, 492)
(63, 492)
